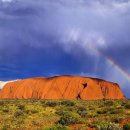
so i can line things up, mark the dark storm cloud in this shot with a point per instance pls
(46, 37)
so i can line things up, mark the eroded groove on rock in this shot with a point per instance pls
(78, 97)
(85, 85)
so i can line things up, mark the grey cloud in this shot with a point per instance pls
(58, 18)
(68, 24)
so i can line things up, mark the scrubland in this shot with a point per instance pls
(33, 114)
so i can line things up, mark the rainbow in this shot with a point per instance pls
(111, 62)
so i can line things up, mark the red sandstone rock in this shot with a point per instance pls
(62, 87)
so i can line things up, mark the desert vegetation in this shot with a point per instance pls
(64, 114)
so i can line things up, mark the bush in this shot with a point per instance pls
(51, 104)
(82, 112)
(123, 103)
(60, 112)
(102, 111)
(93, 115)
(5, 110)
(127, 106)
(108, 126)
(126, 126)
(27, 111)
(81, 108)
(69, 118)
(57, 127)
(43, 101)
(5, 128)
(117, 120)
(35, 123)
(34, 100)
(2, 103)
(109, 103)
(18, 113)
(116, 111)
(34, 111)
(67, 103)
(21, 107)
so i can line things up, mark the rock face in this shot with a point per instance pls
(62, 87)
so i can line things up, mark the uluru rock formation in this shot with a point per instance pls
(62, 87)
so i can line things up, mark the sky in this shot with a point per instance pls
(65, 37)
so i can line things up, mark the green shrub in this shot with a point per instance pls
(108, 126)
(109, 109)
(102, 111)
(127, 106)
(81, 108)
(109, 103)
(35, 123)
(117, 120)
(67, 103)
(34, 111)
(60, 112)
(27, 111)
(69, 118)
(116, 111)
(57, 127)
(42, 101)
(126, 126)
(2, 103)
(51, 104)
(5, 128)
(123, 103)
(5, 110)
(91, 108)
(34, 100)
(82, 112)
(21, 107)
(18, 113)
(91, 115)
